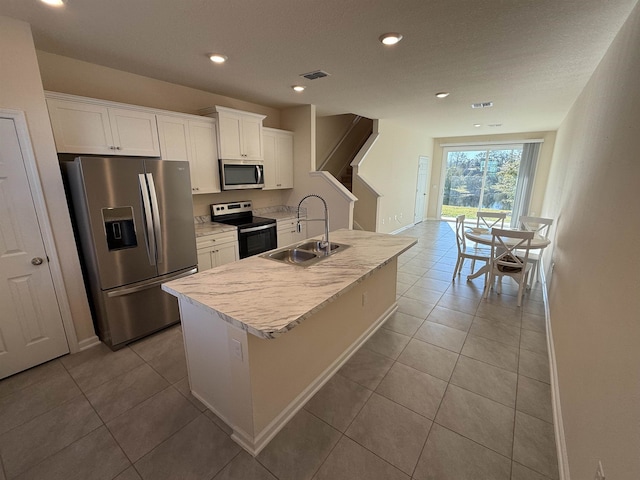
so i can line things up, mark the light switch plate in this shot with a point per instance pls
(236, 348)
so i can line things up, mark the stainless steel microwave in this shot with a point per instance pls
(241, 174)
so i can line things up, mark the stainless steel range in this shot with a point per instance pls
(255, 234)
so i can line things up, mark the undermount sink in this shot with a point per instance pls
(304, 254)
(315, 246)
(292, 255)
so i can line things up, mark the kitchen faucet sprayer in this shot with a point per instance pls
(325, 242)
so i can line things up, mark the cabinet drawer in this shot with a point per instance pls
(287, 223)
(217, 239)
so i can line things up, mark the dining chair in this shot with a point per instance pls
(490, 219)
(540, 226)
(472, 252)
(505, 261)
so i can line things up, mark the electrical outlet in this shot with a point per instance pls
(383, 221)
(599, 472)
(236, 348)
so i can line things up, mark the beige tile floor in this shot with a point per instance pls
(453, 387)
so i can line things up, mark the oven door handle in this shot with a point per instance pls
(257, 229)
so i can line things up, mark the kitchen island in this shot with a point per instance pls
(261, 337)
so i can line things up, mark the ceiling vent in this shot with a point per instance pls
(315, 74)
(482, 105)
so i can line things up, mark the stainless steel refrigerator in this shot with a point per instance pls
(134, 223)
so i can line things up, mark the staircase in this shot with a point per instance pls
(338, 161)
(346, 178)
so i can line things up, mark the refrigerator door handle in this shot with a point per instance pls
(157, 227)
(147, 285)
(148, 222)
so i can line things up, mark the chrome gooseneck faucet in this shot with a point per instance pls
(324, 244)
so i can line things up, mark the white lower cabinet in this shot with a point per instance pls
(217, 249)
(193, 139)
(278, 158)
(287, 231)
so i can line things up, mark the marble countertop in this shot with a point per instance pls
(268, 298)
(211, 228)
(281, 215)
(280, 212)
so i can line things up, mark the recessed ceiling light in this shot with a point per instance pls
(390, 38)
(298, 88)
(218, 58)
(442, 94)
(477, 125)
(53, 3)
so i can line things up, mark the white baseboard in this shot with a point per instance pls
(88, 343)
(561, 445)
(254, 445)
(402, 229)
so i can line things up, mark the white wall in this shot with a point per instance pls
(329, 130)
(68, 75)
(302, 121)
(391, 167)
(593, 193)
(21, 89)
(542, 170)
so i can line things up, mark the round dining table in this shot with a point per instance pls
(483, 236)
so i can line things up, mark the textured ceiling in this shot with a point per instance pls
(530, 57)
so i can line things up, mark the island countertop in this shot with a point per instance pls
(268, 298)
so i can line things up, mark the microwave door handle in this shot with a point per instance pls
(157, 226)
(148, 222)
(258, 175)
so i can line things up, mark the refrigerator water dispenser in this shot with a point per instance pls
(119, 228)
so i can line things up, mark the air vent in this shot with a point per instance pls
(494, 125)
(482, 105)
(316, 74)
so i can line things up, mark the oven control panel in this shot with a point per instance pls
(218, 209)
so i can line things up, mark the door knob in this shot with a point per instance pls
(36, 261)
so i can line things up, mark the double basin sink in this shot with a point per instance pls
(304, 254)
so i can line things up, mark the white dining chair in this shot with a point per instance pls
(505, 261)
(490, 219)
(472, 252)
(540, 226)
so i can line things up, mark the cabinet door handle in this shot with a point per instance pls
(118, 148)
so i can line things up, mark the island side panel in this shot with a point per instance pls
(300, 361)
(218, 369)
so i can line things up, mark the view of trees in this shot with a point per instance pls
(466, 175)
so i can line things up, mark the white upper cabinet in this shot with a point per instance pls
(173, 133)
(193, 139)
(205, 175)
(240, 133)
(278, 158)
(87, 127)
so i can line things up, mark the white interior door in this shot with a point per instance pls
(31, 328)
(424, 173)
